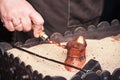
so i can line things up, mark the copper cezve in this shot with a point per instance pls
(76, 53)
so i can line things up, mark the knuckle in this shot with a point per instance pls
(39, 22)
(7, 17)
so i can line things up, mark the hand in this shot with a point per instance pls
(20, 15)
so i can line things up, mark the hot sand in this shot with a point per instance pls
(106, 51)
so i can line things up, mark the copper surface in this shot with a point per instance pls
(76, 53)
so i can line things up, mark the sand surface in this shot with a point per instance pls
(106, 51)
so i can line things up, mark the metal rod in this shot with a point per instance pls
(49, 59)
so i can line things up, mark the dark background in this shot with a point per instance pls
(111, 11)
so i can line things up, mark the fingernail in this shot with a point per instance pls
(36, 35)
(42, 27)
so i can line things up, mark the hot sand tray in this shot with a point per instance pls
(106, 51)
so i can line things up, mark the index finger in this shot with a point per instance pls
(37, 22)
